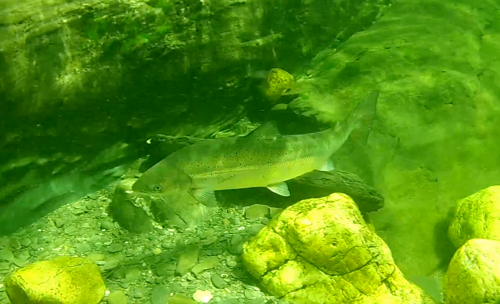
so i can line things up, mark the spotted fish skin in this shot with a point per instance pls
(264, 158)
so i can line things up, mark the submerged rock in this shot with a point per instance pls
(63, 280)
(322, 251)
(476, 217)
(472, 275)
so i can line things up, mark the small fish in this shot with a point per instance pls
(263, 158)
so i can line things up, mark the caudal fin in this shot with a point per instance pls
(362, 115)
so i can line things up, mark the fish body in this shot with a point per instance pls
(263, 158)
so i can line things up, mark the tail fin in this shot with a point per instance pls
(362, 115)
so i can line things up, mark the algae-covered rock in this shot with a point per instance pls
(473, 273)
(322, 251)
(277, 83)
(63, 280)
(477, 217)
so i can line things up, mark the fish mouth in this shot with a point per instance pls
(139, 187)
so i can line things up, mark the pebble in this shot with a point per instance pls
(165, 269)
(209, 241)
(70, 230)
(6, 255)
(231, 263)
(58, 222)
(115, 247)
(218, 281)
(82, 248)
(207, 233)
(117, 297)
(206, 264)
(250, 294)
(132, 274)
(187, 259)
(96, 257)
(159, 295)
(26, 242)
(108, 225)
(255, 228)
(274, 211)
(15, 244)
(236, 244)
(256, 211)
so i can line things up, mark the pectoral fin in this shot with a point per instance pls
(328, 166)
(280, 189)
(204, 196)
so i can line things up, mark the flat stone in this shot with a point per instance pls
(118, 297)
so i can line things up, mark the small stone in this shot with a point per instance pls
(26, 242)
(132, 274)
(115, 247)
(187, 259)
(209, 241)
(166, 245)
(274, 211)
(218, 281)
(159, 295)
(108, 225)
(236, 244)
(203, 296)
(70, 230)
(117, 297)
(256, 211)
(15, 244)
(58, 222)
(138, 292)
(265, 221)
(165, 269)
(250, 294)
(83, 248)
(181, 299)
(6, 255)
(96, 257)
(157, 251)
(231, 263)
(206, 264)
(255, 228)
(4, 266)
(207, 233)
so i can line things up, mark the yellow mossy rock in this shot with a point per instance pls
(63, 280)
(473, 274)
(476, 217)
(321, 251)
(277, 82)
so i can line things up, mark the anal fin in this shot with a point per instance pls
(327, 167)
(280, 189)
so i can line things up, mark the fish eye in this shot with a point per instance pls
(157, 188)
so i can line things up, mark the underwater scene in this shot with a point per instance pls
(249, 151)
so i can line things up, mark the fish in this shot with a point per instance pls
(262, 158)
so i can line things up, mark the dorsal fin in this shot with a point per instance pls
(267, 129)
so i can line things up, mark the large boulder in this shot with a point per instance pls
(476, 217)
(472, 275)
(321, 251)
(63, 280)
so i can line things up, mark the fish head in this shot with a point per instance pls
(161, 180)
